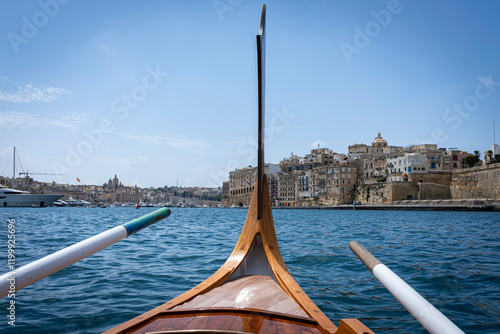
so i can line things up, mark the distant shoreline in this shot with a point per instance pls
(400, 207)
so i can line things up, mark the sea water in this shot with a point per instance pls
(450, 258)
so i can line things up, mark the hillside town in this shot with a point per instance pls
(115, 193)
(372, 174)
(368, 174)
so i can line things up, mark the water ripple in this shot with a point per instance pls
(451, 258)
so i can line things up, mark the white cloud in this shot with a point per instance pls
(317, 143)
(180, 142)
(29, 93)
(25, 121)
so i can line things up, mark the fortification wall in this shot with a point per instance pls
(385, 192)
(476, 182)
(438, 177)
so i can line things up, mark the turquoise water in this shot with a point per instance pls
(451, 258)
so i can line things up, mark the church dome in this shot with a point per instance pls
(379, 141)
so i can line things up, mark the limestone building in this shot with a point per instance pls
(242, 182)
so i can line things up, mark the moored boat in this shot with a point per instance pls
(18, 198)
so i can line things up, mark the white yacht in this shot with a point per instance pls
(18, 198)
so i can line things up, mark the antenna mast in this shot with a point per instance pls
(14, 171)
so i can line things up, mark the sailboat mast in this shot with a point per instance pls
(14, 171)
(261, 59)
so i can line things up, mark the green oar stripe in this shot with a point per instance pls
(138, 224)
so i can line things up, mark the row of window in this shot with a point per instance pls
(241, 191)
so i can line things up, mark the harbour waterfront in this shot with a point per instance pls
(451, 258)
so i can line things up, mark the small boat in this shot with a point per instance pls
(60, 203)
(253, 292)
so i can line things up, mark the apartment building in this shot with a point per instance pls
(400, 167)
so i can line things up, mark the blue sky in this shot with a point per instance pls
(164, 92)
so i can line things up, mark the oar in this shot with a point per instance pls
(428, 316)
(28, 274)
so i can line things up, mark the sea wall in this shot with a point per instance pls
(472, 183)
(476, 182)
(385, 192)
(436, 177)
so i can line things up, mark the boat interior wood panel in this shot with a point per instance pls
(256, 292)
(229, 320)
(253, 291)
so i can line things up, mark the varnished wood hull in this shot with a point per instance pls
(253, 292)
(257, 244)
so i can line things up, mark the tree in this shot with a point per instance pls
(471, 160)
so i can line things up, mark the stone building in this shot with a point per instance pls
(287, 189)
(379, 146)
(303, 187)
(324, 177)
(492, 155)
(400, 167)
(456, 159)
(242, 182)
(225, 194)
(273, 183)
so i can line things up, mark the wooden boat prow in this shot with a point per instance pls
(252, 292)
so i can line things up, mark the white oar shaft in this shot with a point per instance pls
(428, 316)
(35, 271)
